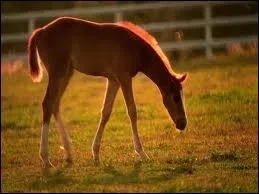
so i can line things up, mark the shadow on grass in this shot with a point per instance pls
(218, 156)
(12, 125)
(54, 178)
(51, 178)
(113, 176)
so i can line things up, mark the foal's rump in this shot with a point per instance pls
(50, 47)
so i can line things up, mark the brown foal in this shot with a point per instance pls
(117, 51)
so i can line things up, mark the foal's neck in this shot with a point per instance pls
(158, 73)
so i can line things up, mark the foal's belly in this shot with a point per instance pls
(93, 72)
(91, 64)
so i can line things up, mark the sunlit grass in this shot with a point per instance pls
(218, 152)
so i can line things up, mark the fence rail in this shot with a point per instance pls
(207, 22)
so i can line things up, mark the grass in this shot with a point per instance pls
(218, 152)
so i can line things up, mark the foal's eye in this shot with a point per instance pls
(177, 99)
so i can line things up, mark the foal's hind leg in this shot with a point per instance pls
(126, 86)
(63, 132)
(111, 91)
(48, 108)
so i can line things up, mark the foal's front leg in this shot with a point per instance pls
(111, 91)
(126, 87)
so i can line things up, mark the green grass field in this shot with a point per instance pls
(218, 151)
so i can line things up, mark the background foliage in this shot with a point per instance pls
(140, 17)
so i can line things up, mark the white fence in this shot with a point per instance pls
(207, 22)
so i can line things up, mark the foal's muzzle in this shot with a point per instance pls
(181, 123)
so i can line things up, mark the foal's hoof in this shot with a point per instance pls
(69, 160)
(47, 165)
(96, 161)
(68, 155)
(143, 155)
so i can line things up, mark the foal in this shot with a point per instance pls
(117, 51)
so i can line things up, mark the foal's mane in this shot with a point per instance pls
(150, 40)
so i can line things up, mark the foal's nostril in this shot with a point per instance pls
(181, 124)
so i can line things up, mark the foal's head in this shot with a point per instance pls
(173, 100)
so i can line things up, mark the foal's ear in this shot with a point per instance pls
(182, 77)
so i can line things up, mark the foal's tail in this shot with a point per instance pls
(34, 64)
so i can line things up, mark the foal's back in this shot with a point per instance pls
(97, 49)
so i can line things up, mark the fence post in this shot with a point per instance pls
(208, 31)
(31, 25)
(118, 17)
